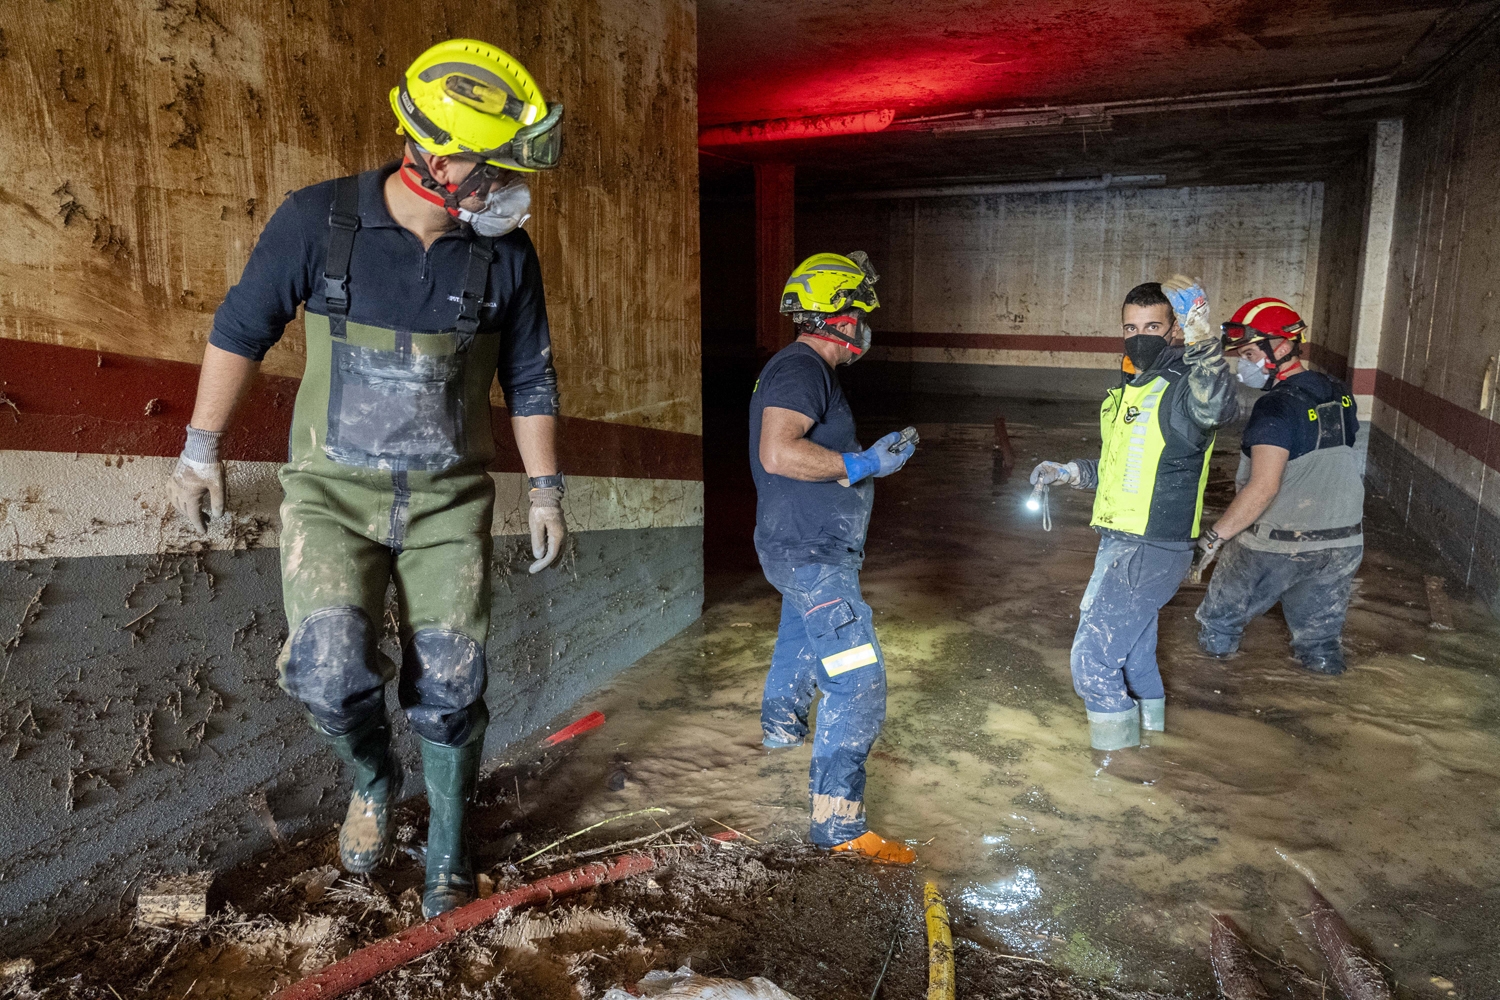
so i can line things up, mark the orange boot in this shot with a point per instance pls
(875, 847)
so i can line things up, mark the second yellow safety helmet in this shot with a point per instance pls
(830, 283)
(466, 96)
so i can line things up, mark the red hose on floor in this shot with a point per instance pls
(359, 967)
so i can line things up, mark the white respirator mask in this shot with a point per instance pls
(1252, 373)
(505, 208)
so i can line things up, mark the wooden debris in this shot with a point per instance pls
(174, 901)
(15, 968)
(1233, 969)
(1357, 976)
(1437, 604)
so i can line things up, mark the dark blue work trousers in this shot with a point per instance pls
(1313, 588)
(826, 642)
(1114, 649)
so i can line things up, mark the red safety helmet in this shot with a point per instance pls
(1260, 320)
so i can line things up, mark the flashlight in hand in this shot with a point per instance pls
(1034, 502)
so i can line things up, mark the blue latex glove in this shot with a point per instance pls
(878, 459)
(1184, 293)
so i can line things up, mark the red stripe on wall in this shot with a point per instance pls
(1004, 342)
(74, 400)
(1464, 429)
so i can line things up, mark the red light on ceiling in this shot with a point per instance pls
(812, 127)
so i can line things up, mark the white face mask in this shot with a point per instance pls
(1252, 373)
(505, 208)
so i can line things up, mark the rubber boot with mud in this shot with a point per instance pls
(875, 847)
(451, 774)
(365, 837)
(1153, 714)
(1115, 730)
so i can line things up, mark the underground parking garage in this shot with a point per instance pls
(178, 777)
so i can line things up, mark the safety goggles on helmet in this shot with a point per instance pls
(538, 146)
(1234, 335)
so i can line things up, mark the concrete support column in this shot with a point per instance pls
(775, 249)
(1374, 266)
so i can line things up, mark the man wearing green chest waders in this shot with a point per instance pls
(1158, 433)
(418, 288)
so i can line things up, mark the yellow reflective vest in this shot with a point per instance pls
(1151, 477)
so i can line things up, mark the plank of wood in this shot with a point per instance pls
(174, 901)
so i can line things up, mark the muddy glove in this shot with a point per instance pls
(199, 472)
(880, 459)
(1056, 474)
(1190, 303)
(1210, 544)
(548, 529)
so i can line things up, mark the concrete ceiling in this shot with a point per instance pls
(1353, 60)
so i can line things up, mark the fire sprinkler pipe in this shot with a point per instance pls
(361, 966)
(1108, 181)
(812, 127)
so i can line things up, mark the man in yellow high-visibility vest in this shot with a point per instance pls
(1158, 427)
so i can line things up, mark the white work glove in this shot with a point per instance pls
(199, 473)
(1055, 474)
(1190, 304)
(548, 529)
(1210, 544)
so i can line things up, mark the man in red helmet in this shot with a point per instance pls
(1295, 522)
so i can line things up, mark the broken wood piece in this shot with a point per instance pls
(1357, 976)
(1003, 446)
(1234, 970)
(1437, 604)
(174, 901)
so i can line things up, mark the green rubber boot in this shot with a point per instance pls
(1115, 730)
(1154, 715)
(365, 837)
(451, 774)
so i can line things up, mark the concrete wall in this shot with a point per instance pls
(148, 145)
(1435, 447)
(1020, 294)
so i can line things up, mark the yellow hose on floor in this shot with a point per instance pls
(940, 975)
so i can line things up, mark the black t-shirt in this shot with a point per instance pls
(1280, 416)
(799, 522)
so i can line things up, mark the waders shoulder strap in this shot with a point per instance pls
(476, 282)
(343, 221)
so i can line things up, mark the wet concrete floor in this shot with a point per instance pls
(1382, 785)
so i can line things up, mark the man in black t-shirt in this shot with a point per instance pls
(813, 497)
(1296, 519)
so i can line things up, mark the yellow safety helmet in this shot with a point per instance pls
(830, 283)
(468, 97)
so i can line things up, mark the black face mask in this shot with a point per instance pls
(1143, 349)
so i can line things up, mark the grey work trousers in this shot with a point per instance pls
(1313, 588)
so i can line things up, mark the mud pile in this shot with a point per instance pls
(819, 926)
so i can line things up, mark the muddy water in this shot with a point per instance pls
(1382, 785)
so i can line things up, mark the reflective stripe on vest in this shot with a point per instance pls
(1148, 485)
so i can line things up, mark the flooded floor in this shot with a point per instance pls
(1381, 785)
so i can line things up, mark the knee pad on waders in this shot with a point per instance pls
(332, 665)
(443, 677)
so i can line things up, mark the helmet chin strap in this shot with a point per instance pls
(417, 176)
(835, 340)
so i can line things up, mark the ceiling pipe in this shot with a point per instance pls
(1106, 182)
(812, 127)
(1099, 114)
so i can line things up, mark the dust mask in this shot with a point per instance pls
(505, 208)
(1252, 373)
(1143, 349)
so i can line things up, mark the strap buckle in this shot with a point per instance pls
(336, 292)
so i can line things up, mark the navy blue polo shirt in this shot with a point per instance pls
(799, 522)
(394, 283)
(1280, 416)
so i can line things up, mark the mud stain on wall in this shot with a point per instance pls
(150, 144)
